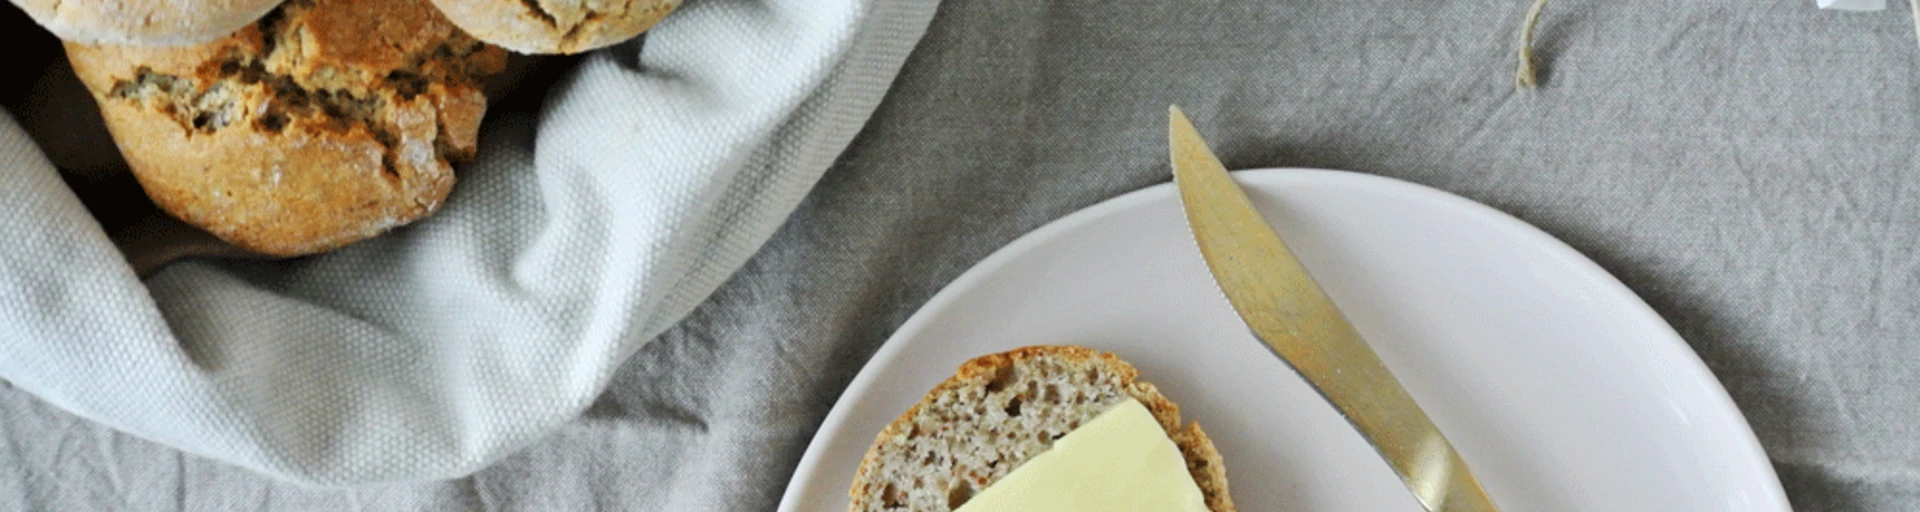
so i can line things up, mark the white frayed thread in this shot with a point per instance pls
(1524, 76)
(1914, 5)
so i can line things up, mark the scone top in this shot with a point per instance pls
(526, 26)
(144, 22)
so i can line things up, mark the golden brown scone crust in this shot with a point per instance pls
(144, 22)
(1204, 464)
(555, 26)
(327, 122)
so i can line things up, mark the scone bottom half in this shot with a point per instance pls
(999, 410)
(324, 123)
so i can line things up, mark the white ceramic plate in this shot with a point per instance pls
(1560, 387)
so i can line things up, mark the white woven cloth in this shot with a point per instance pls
(647, 179)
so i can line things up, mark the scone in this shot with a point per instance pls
(555, 26)
(998, 412)
(144, 22)
(324, 123)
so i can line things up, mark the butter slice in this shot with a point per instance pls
(1121, 461)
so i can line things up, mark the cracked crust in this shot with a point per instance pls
(998, 411)
(555, 26)
(144, 22)
(327, 122)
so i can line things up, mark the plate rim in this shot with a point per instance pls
(1669, 342)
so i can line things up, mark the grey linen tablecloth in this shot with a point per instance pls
(1747, 167)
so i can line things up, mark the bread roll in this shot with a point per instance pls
(327, 122)
(555, 26)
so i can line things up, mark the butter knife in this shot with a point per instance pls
(1289, 312)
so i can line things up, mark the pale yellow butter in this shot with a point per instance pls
(1121, 461)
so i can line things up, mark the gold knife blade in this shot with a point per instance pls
(1289, 312)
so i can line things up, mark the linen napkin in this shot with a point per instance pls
(651, 173)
